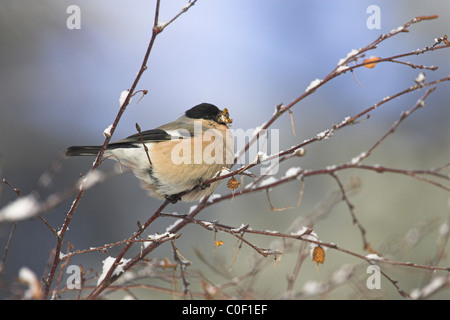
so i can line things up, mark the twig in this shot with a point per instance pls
(302, 254)
(420, 103)
(157, 29)
(108, 277)
(340, 69)
(240, 233)
(183, 264)
(138, 128)
(17, 191)
(303, 236)
(8, 243)
(351, 207)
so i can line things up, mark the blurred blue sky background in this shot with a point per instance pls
(60, 87)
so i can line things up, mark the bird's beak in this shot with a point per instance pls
(224, 117)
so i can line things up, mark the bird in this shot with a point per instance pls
(174, 160)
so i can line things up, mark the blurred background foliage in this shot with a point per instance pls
(60, 87)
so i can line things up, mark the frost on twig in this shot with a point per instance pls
(107, 264)
(300, 237)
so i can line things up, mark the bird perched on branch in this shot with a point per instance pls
(176, 157)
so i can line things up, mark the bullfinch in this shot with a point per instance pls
(179, 155)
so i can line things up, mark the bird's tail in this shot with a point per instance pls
(83, 151)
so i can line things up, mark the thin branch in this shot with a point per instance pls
(303, 236)
(340, 69)
(157, 29)
(351, 207)
(241, 232)
(302, 254)
(108, 279)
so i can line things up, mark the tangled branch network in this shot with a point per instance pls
(301, 231)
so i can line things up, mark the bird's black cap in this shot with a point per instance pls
(204, 111)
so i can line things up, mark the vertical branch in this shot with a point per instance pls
(61, 234)
(351, 207)
(342, 67)
(157, 29)
(302, 254)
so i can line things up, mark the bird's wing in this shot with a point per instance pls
(153, 135)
